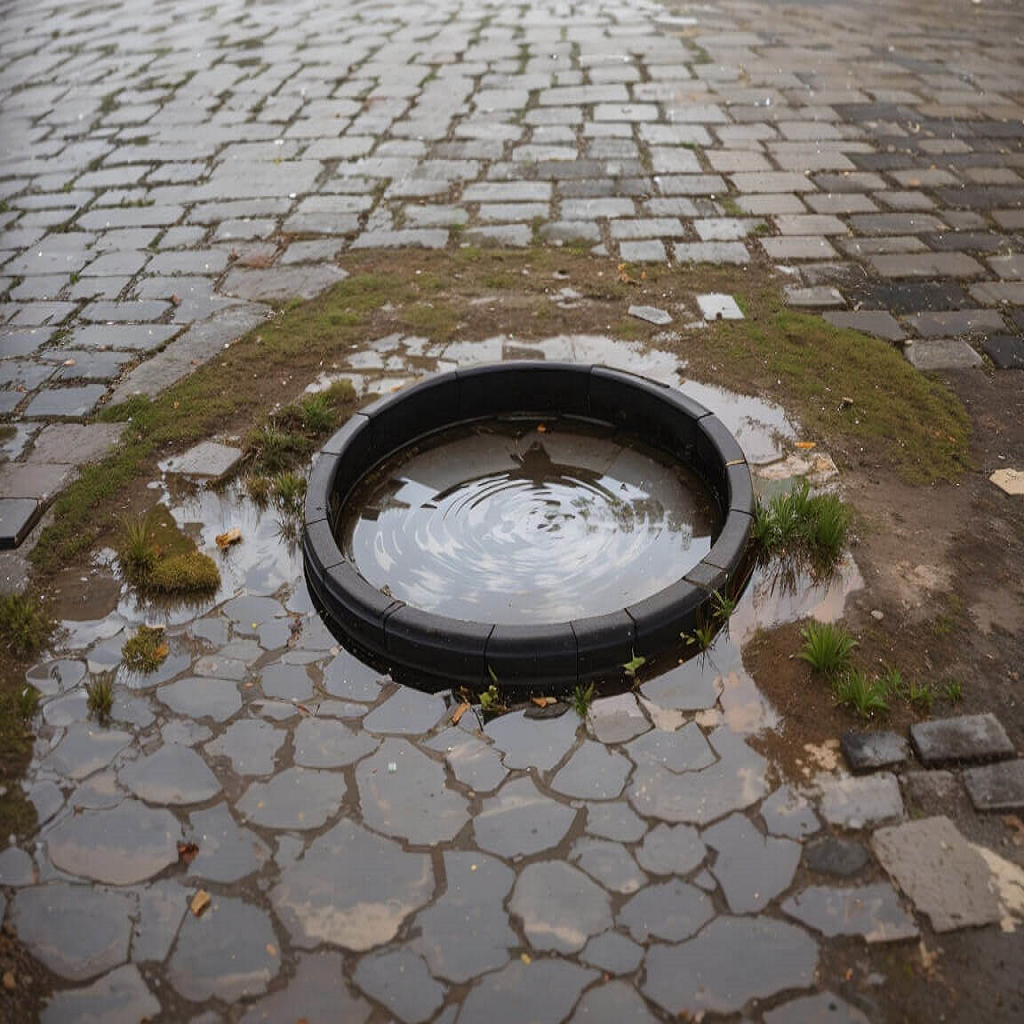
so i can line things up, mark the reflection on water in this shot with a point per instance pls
(509, 524)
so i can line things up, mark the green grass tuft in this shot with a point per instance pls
(145, 652)
(864, 696)
(100, 695)
(826, 647)
(187, 575)
(25, 628)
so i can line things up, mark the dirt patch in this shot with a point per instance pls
(25, 984)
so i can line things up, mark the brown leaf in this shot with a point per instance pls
(805, 446)
(187, 853)
(459, 712)
(200, 902)
(229, 537)
(543, 702)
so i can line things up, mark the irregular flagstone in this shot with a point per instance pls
(473, 762)
(613, 952)
(172, 775)
(613, 1001)
(832, 856)
(299, 798)
(671, 850)
(402, 793)
(349, 678)
(752, 869)
(352, 889)
(519, 820)
(822, 1006)
(16, 868)
(78, 931)
(870, 911)
(406, 711)
(286, 682)
(733, 960)
(593, 773)
(683, 751)
(121, 845)
(199, 697)
(939, 871)
(530, 742)
(162, 907)
(230, 952)
(560, 907)
(399, 980)
(326, 743)
(787, 813)
(250, 744)
(121, 995)
(616, 719)
(542, 992)
(610, 864)
(226, 851)
(317, 992)
(734, 782)
(616, 820)
(693, 686)
(669, 910)
(86, 748)
(466, 931)
(860, 802)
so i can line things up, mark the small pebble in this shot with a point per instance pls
(878, 614)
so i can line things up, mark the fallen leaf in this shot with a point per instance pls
(200, 902)
(68, 362)
(187, 853)
(541, 429)
(229, 537)
(806, 446)
(161, 652)
(271, 949)
(543, 702)
(525, 957)
(459, 712)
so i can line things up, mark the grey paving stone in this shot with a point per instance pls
(250, 745)
(172, 775)
(543, 992)
(466, 932)
(616, 820)
(474, 763)
(964, 738)
(131, 337)
(16, 868)
(643, 252)
(199, 697)
(64, 442)
(833, 856)
(231, 952)
(297, 798)
(227, 853)
(613, 1000)
(869, 751)
(996, 787)
(593, 773)
(77, 931)
(533, 743)
(612, 952)
(352, 889)
(519, 820)
(326, 743)
(85, 749)
(412, 238)
(876, 322)
(671, 850)
(671, 911)
(281, 283)
(794, 247)
(65, 403)
(871, 911)
(616, 719)
(317, 991)
(559, 906)
(953, 323)
(732, 961)
(17, 517)
(818, 297)
(822, 1006)
(692, 686)
(652, 315)
(208, 460)
(405, 712)
(121, 995)
(683, 751)
(399, 980)
(609, 864)
(945, 354)
(860, 802)
(1005, 350)
(941, 873)
(929, 265)
(734, 253)
(38, 480)
(788, 813)
(121, 845)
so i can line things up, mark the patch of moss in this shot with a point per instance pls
(145, 652)
(193, 574)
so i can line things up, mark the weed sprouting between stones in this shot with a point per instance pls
(25, 627)
(803, 527)
(289, 490)
(146, 651)
(100, 696)
(582, 698)
(953, 690)
(826, 647)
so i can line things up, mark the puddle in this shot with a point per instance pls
(504, 523)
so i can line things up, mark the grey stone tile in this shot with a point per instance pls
(85, 749)
(199, 697)
(325, 743)
(612, 952)
(818, 1007)
(119, 995)
(734, 253)
(942, 354)
(560, 908)
(593, 772)
(752, 869)
(732, 961)
(227, 853)
(929, 265)
(17, 517)
(614, 1000)
(609, 864)
(61, 403)
(794, 247)
(671, 911)
(832, 856)
(406, 712)
(172, 775)
(964, 738)
(533, 743)
(474, 763)
(616, 719)
(543, 992)
(317, 991)
(860, 802)
(996, 787)
(132, 337)
(250, 745)
(615, 820)
(871, 911)
(297, 798)
(519, 820)
(671, 850)
(869, 751)
(788, 813)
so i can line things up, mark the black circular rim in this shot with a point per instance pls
(524, 658)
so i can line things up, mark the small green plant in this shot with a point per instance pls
(953, 691)
(259, 489)
(634, 665)
(25, 627)
(190, 574)
(289, 491)
(722, 606)
(273, 449)
(27, 702)
(100, 695)
(826, 647)
(801, 526)
(702, 636)
(137, 550)
(145, 652)
(864, 696)
(892, 682)
(490, 699)
(582, 697)
(921, 695)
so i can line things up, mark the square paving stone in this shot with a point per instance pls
(75, 443)
(944, 354)
(17, 517)
(996, 787)
(209, 460)
(878, 323)
(869, 751)
(966, 738)
(1005, 350)
(59, 403)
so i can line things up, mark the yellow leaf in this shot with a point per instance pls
(805, 446)
(200, 902)
(225, 540)
(459, 712)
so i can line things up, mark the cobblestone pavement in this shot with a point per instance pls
(169, 172)
(368, 860)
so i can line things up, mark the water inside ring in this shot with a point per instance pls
(523, 522)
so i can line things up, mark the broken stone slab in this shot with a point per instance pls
(856, 803)
(651, 314)
(871, 911)
(208, 459)
(833, 856)
(932, 791)
(869, 751)
(996, 787)
(941, 874)
(1009, 480)
(966, 738)
(715, 306)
